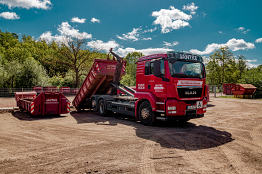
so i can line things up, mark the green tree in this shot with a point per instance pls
(130, 78)
(241, 65)
(74, 57)
(213, 71)
(19, 68)
(253, 76)
(33, 72)
(222, 67)
(8, 40)
(223, 55)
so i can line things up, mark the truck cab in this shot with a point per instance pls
(170, 86)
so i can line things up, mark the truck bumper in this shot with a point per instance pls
(176, 109)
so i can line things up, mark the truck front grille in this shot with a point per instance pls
(189, 92)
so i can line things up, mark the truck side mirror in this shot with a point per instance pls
(156, 70)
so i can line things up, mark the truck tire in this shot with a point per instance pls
(94, 105)
(146, 115)
(102, 107)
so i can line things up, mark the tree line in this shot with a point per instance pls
(224, 67)
(26, 62)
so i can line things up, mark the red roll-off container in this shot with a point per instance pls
(46, 103)
(65, 90)
(98, 80)
(244, 89)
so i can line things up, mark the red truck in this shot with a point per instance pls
(168, 86)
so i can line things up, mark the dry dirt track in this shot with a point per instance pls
(227, 140)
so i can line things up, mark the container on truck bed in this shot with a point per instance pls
(168, 86)
(98, 81)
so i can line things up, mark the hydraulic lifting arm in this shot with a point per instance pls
(117, 74)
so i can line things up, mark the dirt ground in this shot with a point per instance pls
(227, 140)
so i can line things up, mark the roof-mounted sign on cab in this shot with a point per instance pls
(184, 56)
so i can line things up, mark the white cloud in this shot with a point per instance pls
(78, 20)
(249, 60)
(9, 15)
(191, 7)
(48, 37)
(243, 30)
(105, 46)
(40, 4)
(65, 31)
(246, 31)
(239, 44)
(233, 44)
(205, 60)
(147, 38)
(100, 45)
(259, 40)
(151, 30)
(133, 35)
(147, 51)
(251, 63)
(170, 44)
(209, 49)
(171, 19)
(94, 20)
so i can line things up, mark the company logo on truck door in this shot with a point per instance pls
(159, 88)
(141, 86)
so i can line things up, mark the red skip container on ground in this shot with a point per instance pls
(46, 103)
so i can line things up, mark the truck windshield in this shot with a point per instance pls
(186, 69)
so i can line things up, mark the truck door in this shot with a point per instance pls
(155, 79)
(148, 79)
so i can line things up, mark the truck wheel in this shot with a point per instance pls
(102, 108)
(146, 115)
(93, 105)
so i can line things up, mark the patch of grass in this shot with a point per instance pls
(226, 96)
(231, 96)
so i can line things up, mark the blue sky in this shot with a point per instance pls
(149, 26)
